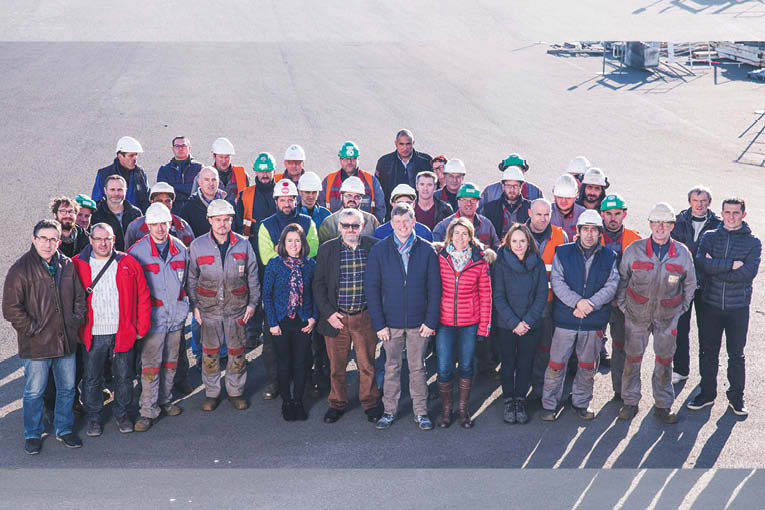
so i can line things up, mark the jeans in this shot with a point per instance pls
(36, 378)
(517, 354)
(93, 378)
(49, 398)
(712, 322)
(460, 339)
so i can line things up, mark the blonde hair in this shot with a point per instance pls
(462, 222)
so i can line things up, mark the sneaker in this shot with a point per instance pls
(94, 429)
(739, 408)
(70, 440)
(32, 446)
(332, 415)
(700, 402)
(585, 413)
(385, 421)
(547, 415)
(665, 415)
(627, 412)
(143, 424)
(508, 416)
(171, 410)
(520, 410)
(125, 425)
(423, 421)
(676, 378)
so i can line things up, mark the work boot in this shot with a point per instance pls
(239, 403)
(509, 416)
(447, 401)
(585, 413)
(288, 411)
(171, 410)
(521, 415)
(183, 388)
(462, 405)
(209, 404)
(627, 412)
(271, 391)
(547, 415)
(143, 424)
(665, 415)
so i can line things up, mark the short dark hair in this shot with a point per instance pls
(57, 202)
(179, 138)
(281, 249)
(440, 158)
(405, 132)
(428, 174)
(46, 224)
(734, 201)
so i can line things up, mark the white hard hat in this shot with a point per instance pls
(162, 187)
(590, 217)
(402, 189)
(353, 185)
(128, 144)
(455, 166)
(513, 173)
(662, 212)
(285, 188)
(294, 153)
(158, 213)
(223, 146)
(595, 176)
(220, 207)
(309, 181)
(578, 165)
(566, 187)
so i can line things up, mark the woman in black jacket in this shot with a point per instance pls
(519, 295)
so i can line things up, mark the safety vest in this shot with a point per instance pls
(279, 177)
(556, 239)
(334, 181)
(248, 222)
(628, 237)
(240, 177)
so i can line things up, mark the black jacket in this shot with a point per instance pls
(723, 287)
(519, 289)
(683, 230)
(391, 172)
(104, 215)
(326, 279)
(79, 240)
(494, 211)
(137, 192)
(443, 210)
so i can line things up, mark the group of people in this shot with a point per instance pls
(410, 255)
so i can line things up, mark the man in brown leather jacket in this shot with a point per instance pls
(44, 301)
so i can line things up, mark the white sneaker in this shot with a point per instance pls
(676, 378)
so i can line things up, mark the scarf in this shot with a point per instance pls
(460, 258)
(404, 249)
(295, 299)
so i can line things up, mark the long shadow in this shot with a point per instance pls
(714, 445)
(9, 365)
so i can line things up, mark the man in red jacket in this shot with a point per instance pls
(119, 311)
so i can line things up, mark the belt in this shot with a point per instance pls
(353, 313)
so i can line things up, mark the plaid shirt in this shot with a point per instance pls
(350, 291)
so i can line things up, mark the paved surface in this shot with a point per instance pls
(471, 83)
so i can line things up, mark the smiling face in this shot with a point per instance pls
(115, 191)
(454, 181)
(351, 200)
(349, 165)
(425, 188)
(699, 203)
(402, 225)
(519, 244)
(565, 203)
(733, 216)
(83, 217)
(66, 215)
(208, 183)
(660, 230)
(467, 206)
(292, 244)
(460, 237)
(294, 168)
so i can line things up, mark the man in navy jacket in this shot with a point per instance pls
(401, 166)
(402, 283)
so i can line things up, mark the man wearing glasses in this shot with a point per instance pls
(44, 301)
(510, 207)
(352, 196)
(657, 285)
(180, 172)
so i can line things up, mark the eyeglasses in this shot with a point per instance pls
(351, 226)
(101, 239)
(180, 145)
(48, 239)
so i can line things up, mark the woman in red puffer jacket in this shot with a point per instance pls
(465, 312)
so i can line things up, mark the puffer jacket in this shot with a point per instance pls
(466, 295)
(181, 175)
(221, 290)
(166, 280)
(45, 311)
(652, 289)
(520, 289)
(725, 288)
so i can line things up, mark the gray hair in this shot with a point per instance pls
(401, 209)
(103, 226)
(351, 212)
(115, 177)
(541, 201)
(405, 132)
(700, 188)
(210, 169)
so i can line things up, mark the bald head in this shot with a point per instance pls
(539, 215)
(208, 182)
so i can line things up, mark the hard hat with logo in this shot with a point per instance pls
(223, 146)
(294, 153)
(158, 213)
(513, 173)
(662, 212)
(595, 176)
(348, 150)
(469, 190)
(513, 160)
(86, 201)
(402, 190)
(353, 185)
(128, 144)
(285, 188)
(309, 181)
(578, 165)
(566, 187)
(220, 207)
(265, 162)
(613, 201)
(161, 187)
(455, 166)
(590, 217)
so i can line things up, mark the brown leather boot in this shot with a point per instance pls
(462, 405)
(447, 402)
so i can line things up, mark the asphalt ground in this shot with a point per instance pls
(472, 82)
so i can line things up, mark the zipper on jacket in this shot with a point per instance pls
(727, 245)
(456, 286)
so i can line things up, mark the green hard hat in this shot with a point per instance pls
(469, 190)
(85, 201)
(265, 162)
(613, 201)
(348, 150)
(513, 160)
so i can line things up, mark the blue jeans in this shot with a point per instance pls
(460, 339)
(36, 378)
(93, 378)
(196, 342)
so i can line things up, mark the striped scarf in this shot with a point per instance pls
(404, 249)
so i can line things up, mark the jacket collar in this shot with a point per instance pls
(87, 252)
(671, 253)
(173, 249)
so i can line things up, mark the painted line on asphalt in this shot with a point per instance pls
(738, 488)
(657, 497)
(696, 490)
(635, 481)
